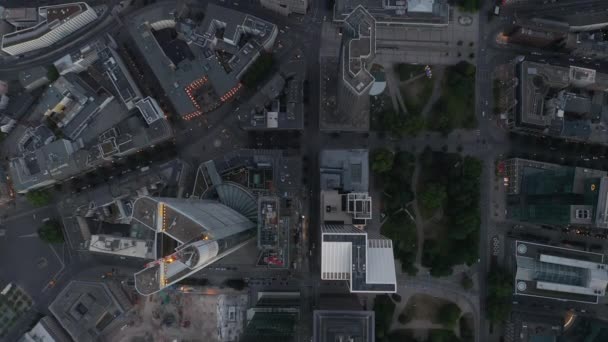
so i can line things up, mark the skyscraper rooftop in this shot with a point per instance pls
(203, 231)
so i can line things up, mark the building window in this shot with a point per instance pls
(582, 213)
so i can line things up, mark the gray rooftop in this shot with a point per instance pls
(120, 77)
(340, 325)
(360, 258)
(173, 80)
(279, 104)
(286, 170)
(85, 309)
(347, 170)
(397, 12)
(579, 269)
(32, 75)
(50, 163)
(72, 104)
(186, 220)
(562, 101)
(182, 79)
(359, 51)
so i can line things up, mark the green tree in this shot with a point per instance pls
(39, 198)
(500, 288)
(382, 160)
(466, 282)
(51, 232)
(448, 315)
(433, 196)
(413, 125)
(384, 308)
(52, 73)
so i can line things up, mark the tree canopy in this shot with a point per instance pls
(461, 179)
(500, 288)
(433, 196)
(400, 124)
(456, 106)
(448, 315)
(39, 198)
(382, 160)
(383, 309)
(51, 232)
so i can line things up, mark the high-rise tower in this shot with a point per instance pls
(202, 230)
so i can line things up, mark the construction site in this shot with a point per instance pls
(185, 314)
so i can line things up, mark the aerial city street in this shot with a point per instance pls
(304, 170)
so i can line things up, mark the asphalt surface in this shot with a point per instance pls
(24, 258)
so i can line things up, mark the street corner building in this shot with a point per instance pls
(202, 231)
(200, 64)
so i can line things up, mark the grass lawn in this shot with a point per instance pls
(407, 71)
(417, 93)
(423, 307)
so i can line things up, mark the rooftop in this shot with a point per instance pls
(49, 164)
(348, 208)
(359, 45)
(399, 12)
(120, 77)
(577, 195)
(59, 21)
(19, 15)
(62, 12)
(279, 104)
(85, 309)
(71, 104)
(46, 330)
(346, 170)
(32, 75)
(121, 246)
(559, 273)
(204, 231)
(562, 101)
(257, 170)
(342, 325)
(365, 261)
(199, 69)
